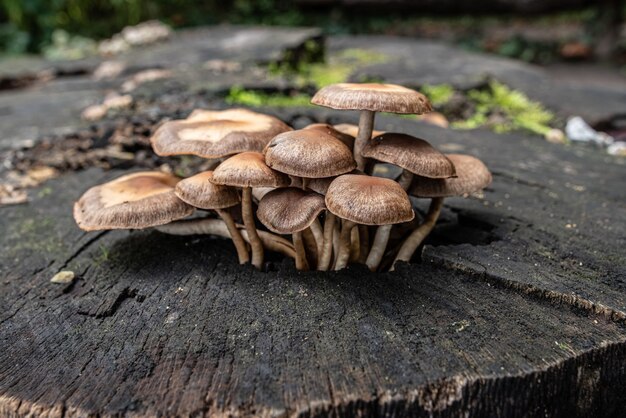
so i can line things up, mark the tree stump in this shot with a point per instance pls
(517, 308)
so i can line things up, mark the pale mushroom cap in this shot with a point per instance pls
(248, 169)
(216, 134)
(346, 138)
(368, 200)
(372, 96)
(410, 153)
(134, 201)
(309, 153)
(200, 192)
(289, 210)
(353, 130)
(472, 175)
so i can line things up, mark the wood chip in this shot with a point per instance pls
(63, 277)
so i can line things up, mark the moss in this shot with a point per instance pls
(503, 110)
(241, 96)
(438, 94)
(336, 69)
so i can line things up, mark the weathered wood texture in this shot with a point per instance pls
(501, 318)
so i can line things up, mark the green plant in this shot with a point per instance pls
(504, 110)
(438, 94)
(241, 96)
(336, 69)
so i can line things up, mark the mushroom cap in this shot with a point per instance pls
(353, 130)
(216, 134)
(372, 96)
(248, 169)
(134, 201)
(289, 210)
(309, 153)
(199, 191)
(368, 200)
(330, 130)
(410, 153)
(472, 175)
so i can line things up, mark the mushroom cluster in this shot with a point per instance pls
(308, 194)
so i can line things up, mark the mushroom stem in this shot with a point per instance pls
(405, 180)
(318, 233)
(327, 248)
(211, 226)
(336, 238)
(420, 233)
(298, 244)
(378, 247)
(240, 244)
(344, 244)
(364, 237)
(310, 247)
(355, 245)
(248, 221)
(364, 135)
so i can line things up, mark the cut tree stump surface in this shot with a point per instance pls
(517, 307)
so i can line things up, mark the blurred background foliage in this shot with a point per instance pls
(32, 26)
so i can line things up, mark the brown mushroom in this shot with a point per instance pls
(134, 201)
(199, 192)
(248, 170)
(370, 98)
(291, 211)
(414, 155)
(369, 201)
(472, 175)
(330, 130)
(309, 153)
(216, 134)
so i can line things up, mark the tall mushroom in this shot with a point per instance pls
(216, 133)
(370, 98)
(291, 211)
(200, 192)
(134, 201)
(362, 199)
(472, 175)
(248, 170)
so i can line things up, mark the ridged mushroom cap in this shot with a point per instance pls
(309, 153)
(330, 130)
(289, 210)
(216, 134)
(248, 169)
(134, 201)
(368, 200)
(410, 153)
(199, 191)
(353, 130)
(372, 96)
(472, 175)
